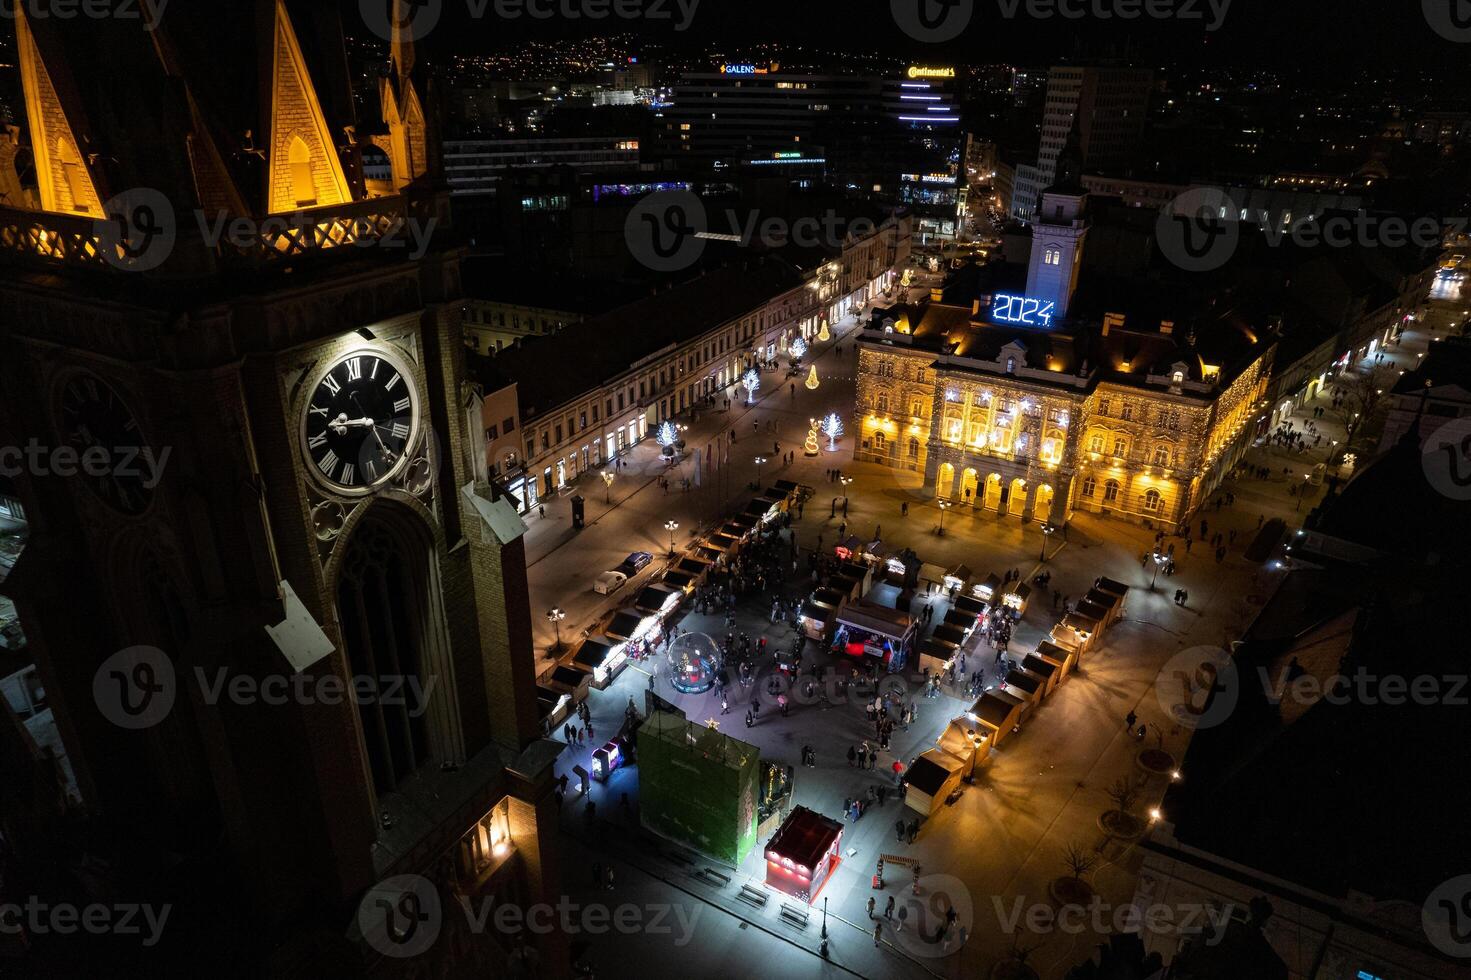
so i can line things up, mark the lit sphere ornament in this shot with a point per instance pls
(693, 661)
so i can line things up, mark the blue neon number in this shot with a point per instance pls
(1024, 310)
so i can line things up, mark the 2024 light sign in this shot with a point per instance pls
(1027, 311)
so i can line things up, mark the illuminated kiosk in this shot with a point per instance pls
(693, 660)
(698, 786)
(803, 853)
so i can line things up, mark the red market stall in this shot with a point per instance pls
(865, 629)
(803, 854)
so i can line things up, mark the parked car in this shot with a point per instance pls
(609, 582)
(634, 562)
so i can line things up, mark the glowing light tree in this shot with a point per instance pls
(832, 427)
(798, 349)
(667, 435)
(822, 334)
(812, 447)
(751, 381)
(811, 381)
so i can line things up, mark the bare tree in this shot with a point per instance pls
(1078, 861)
(1363, 396)
(1124, 794)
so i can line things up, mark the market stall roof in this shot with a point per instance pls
(546, 700)
(1092, 610)
(1024, 681)
(693, 566)
(785, 486)
(959, 617)
(1051, 650)
(774, 495)
(805, 836)
(569, 675)
(1040, 665)
(710, 552)
(959, 738)
(938, 647)
(1103, 597)
(680, 580)
(1080, 624)
(960, 572)
(853, 567)
(989, 587)
(949, 633)
(1109, 585)
(625, 624)
(735, 530)
(877, 619)
(759, 507)
(595, 650)
(1021, 590)
(970, 604)
(655, 599)
(746, 521)
(821, 613)
(828, 597)
(931, 771)
(995, 708)
(724, 541)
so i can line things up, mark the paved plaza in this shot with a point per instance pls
(994, 850)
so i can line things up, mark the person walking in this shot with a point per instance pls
(871, 903)
(899, 830)
(610, 877)
(889, 909)
(724, 705)
(878, 930)
(852, 755)
(1129, 720)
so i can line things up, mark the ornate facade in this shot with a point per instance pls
(1038, 420)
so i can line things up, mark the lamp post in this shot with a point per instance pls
(824, 917)
(944, 506)
(846, 481)
(1047, 532)
(1159, 562)
(1304, 492)
(759, 461)
(555, 615)
(671, 527)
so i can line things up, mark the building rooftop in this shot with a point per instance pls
(552, 370)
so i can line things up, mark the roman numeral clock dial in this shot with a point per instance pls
(360, 421)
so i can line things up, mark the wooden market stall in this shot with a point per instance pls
(930, 779)
(1049, 670)
(1064, 658)
(997, 712)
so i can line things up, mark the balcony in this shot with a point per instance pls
(53, 239)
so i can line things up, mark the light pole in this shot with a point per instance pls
(1304, 492)
(555, 615)
(824, 917)
(1159, 562)
(1047, 531)
(671, 527)
(944, 505)
(759, 461)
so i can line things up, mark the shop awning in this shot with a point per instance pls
(596, 650)
(878, 620)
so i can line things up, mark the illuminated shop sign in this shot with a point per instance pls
(742, 70)
(924, 71)
(1025, 310)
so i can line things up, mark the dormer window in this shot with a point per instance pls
(1053, 256)
(1011, 365)
(1178, 377)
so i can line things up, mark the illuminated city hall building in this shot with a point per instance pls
(318, 511)
(1038, 402)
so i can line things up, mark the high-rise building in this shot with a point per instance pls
(281, 619)
(1106, 107)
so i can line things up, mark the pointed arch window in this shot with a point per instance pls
(299, 169)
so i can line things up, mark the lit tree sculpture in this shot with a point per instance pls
(812, 379)
(798, 349)
(832, 427)
(812, 447)
(666, 435)
(751, 381)
(822, 334)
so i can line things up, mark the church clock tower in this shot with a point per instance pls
(282, 620)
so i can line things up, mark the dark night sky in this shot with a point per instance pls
(1308, 34)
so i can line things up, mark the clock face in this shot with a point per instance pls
(95, 420)
(360, 421)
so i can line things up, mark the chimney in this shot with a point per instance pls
(1111, 320)
(1167, 327)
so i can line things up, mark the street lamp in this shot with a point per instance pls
(671, 527)
(846, 481)
(1159, 562)
(555, 615)
(1047, 531)
(759, 460)
(944, 505)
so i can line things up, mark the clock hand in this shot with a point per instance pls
(342, 423)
